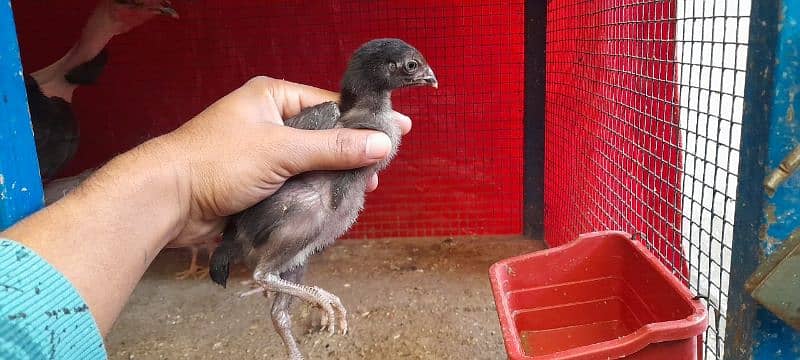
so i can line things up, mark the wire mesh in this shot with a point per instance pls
(643, 109)
(712, 54)
(459, 172)
(643, 120)
(612, 122)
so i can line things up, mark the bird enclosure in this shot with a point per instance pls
(461, 171)
(551, 119)
(644, 103)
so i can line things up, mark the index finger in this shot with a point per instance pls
(291, 97)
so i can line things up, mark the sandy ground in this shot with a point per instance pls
(407, 299)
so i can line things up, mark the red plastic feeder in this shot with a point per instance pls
(602, 296)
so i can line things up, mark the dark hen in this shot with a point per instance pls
(49, 90)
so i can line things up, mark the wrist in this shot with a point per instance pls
(159, 176)
(141, 192)
(111, 227)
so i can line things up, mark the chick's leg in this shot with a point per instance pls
(281, 317)
(330, 304)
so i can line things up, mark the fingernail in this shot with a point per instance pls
(378, 146)
(405, 122)
(373, 183)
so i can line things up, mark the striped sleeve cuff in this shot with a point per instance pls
(42, 316)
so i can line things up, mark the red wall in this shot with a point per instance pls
(613, 152)
(459, 171)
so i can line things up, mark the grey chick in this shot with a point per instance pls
(275, 237)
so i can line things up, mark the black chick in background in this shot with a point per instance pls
(275, 237)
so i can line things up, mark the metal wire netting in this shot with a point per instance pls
(643, 119)
(459, 172)
(643, 110)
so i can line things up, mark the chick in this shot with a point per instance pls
(275, 237)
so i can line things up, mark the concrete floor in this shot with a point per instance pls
(406, 299)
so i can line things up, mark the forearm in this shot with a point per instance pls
(109, 229)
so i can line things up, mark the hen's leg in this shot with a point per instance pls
(193, 268)
(199, 272)
(281, 316)
(202, 271)
(330, 304)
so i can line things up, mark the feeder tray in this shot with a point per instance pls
(602, 296)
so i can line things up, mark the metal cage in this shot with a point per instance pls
(658, 117)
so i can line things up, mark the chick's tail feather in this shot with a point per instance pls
(220, 264)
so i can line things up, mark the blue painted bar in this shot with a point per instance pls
(774, 339)
(20, 184)
(763, 222)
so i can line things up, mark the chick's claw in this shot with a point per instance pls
(328, 317)
(331, 306)
(323, 321)
(257, 290)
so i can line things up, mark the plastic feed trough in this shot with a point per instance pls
(602, 296)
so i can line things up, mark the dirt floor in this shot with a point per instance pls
(406, 298)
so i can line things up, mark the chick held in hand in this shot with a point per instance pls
(275, 237)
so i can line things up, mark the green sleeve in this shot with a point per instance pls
(42, 316)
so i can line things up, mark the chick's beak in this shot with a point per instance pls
(427, 78)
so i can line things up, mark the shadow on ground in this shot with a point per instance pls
(407, 299)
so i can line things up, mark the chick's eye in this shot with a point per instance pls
(412, 66)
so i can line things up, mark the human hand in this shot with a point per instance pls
(237, 152)
(179, 187)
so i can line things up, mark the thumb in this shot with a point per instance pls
(333, 149)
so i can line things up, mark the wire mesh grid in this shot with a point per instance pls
(643, 119)
(643, 109)
(459, 172)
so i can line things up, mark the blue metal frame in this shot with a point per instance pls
(20, 184)
(769, 132)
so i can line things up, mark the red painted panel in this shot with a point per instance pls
(459, 171)
(612, 149)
